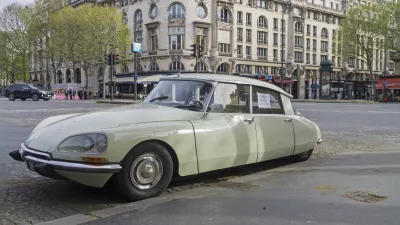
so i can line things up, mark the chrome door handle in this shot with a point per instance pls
(249, 120)
(288, 120)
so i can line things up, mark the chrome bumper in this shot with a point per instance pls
(42, 159)
(319, 141)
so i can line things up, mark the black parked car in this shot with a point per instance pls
(25, 91)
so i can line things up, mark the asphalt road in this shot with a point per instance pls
(27, 198)
(358, 189)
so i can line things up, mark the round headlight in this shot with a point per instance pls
(101, 142)
(87, 143)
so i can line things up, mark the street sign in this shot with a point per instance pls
(384, 83)
(282, 71)
(269, 77)
(136, 47)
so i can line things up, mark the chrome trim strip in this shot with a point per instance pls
(25, 149)
(78, 167)
(319, 141)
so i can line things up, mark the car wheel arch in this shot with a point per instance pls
(170, 150)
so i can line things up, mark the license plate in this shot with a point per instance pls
(30, 165)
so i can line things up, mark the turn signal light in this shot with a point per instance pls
(95, 159)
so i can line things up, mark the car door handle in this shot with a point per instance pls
(288, 120)
(249, 120)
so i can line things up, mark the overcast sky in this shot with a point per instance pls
(6, 2)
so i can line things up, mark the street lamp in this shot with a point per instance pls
(282, 71)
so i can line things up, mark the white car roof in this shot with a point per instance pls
(228, 79)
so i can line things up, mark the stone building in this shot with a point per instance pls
(238, 36)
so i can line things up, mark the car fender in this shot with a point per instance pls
(307, 134)
(179, 135)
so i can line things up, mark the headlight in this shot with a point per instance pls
(84, 143)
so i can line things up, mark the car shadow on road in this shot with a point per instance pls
(42, 199)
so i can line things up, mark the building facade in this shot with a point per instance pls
(249, 37)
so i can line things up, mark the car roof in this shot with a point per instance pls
(229, 79)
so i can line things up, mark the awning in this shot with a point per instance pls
(391, 83)
(277, 80)
(141, 79)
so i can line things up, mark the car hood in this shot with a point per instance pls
(51, 131)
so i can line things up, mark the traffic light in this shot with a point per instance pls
(116, 59)
(107, 58)
(194, 50)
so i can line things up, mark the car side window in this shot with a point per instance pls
(266, 101)
(25, 87)
(16, 87)
(230, 98)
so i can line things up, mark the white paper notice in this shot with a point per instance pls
(263, 101)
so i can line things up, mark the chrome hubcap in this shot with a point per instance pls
(146, 171)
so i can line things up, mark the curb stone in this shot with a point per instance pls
(116, 102)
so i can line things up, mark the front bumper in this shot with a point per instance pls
(319, 141)
(40, 161)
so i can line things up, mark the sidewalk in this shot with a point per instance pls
(117, 101)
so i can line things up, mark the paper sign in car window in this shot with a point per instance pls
(263, 101)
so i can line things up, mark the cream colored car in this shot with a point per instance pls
(189, 124)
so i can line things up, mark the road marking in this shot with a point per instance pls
(346, 111)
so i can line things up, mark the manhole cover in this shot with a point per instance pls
(365, 197)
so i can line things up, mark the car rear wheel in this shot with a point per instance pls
(35, 97)
(146, 172)
(23, 99)
(303, 156)
(46, 99)
(11, 97)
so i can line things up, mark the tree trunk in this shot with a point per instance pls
(24, 68)
(373, 82)
(85, 68)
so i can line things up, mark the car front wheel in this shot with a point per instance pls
(11, 97)
(35, 97)
(146, 172)
(303, 156)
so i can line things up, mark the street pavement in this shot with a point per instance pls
(358, 188)
(26, 198)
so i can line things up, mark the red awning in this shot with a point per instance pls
(391, 83)
(277, 80)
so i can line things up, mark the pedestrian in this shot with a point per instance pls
(70, 93)
(66, 94)
(95, 94)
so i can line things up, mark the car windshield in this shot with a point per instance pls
(33, 87)
(188, 95)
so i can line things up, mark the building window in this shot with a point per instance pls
(202, 67)
(248, 19)
(154, 67)
(261, 70)
(248, 69)
(262, 37)
(324, 33)
(324, 57)
(201, 11)
(324, 46)
(225, 15)
(275, 39)
(239, 49)
(298, 42)
(223, 68)
(176, 66)
(263, 4)
(314, 43)
(176, 10)
(153, 40)
(262, 22)
(225, 48)
(239, 68)
(125, 69)
(239, 34)
(308, 43)
(275, 24)
(176, 37)
(298, 27)
(298, 56)
(314, 31)
(201, 37)
(308, 29)
(248, 35)
(153, 11)
(239, 17)
(248, 51)
(262, 52)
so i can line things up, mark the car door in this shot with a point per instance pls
(226, 136)
(17, 91)
(274, 128)
(26, 91)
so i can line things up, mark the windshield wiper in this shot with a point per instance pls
(159, 98)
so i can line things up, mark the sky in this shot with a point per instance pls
(7, 2)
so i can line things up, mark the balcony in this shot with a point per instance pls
(275, 59)
(314, 34)
(262, 42)
(298, 60)
(262, 57)
(352, 65)
(248, 57)
(308, 34)
(248, 23)
(324, 36)
(275, 27)
(308, 61)
(176, 19)
(314, 62)
(298, 46)
(153, 52)
(227, 54)
(240, 39)
(314, 49)
(239, 22)
(308, 48)
(275, 43)
(240, 56)
(176, 52)
(248, 40)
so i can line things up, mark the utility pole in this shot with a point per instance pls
(112, 74)
(281, 72)
(135, 75)
(385, 65)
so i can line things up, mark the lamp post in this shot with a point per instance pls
(281, 72)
